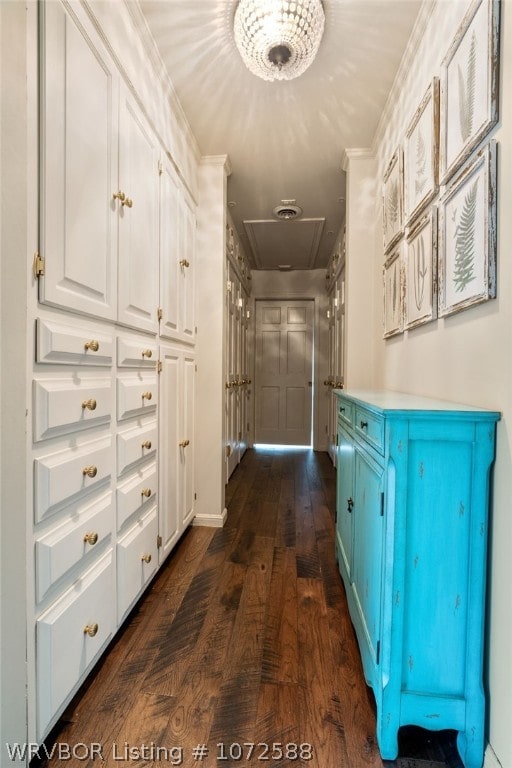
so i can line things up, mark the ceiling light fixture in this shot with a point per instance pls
(278, 39)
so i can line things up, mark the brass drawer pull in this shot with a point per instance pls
(184, 443)
(147, 353)
(363, 424)
(146, 492)
(146, 444)
(92, 345)
(184, 263)
(91, 629)
(91, 538)
(146, 558)
(127, 202)
(147, 396)
(350, 504)
(89, 404)
(91, 471)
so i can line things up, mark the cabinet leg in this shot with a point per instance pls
(387, 736)
(470, 744)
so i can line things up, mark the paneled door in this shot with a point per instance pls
(284, 335)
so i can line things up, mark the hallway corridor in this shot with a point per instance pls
(244, 638)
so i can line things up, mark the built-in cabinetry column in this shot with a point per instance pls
(361, 304)
(210, 288)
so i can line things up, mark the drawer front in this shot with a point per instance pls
(65, 405)
(370, 427)
(72, 542)
(136, 395)
(137, 560)
(346, 412)
(68, 344)
(135, 352)
(70, 636)
(135, 445)
(136, 492)
(66, 474)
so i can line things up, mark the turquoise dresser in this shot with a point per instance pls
(413, 487)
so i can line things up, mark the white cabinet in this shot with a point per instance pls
(176, 490)
(137, 560)
(78, 237)
(177, 258)
(137, 201)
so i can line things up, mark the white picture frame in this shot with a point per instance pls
(392, 201)
(421, 154)
(469, 86)
(421, 272)
(393, 278)
(467, 236)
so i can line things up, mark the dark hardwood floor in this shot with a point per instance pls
(244, 638)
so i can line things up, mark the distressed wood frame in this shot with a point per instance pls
(393, 200)
(421, 158)
(467, 215)
(421, 289)
(478, 90)
(393, 279)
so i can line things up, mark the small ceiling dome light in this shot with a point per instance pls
(278, 39)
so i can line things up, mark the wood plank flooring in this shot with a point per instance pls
(243, 638)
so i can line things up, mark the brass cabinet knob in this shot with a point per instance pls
(147, 396)
(363, 424)
(119, 196)
(146, 444)
(146, 558)
(127, 202)
(91, 629)
(146, 492)
(92, 345)
(184, 443)
(89, 404)
(184, 263)
(147, 353)
(91, 538)
(350, 504)
(228, 385)
(91, 471)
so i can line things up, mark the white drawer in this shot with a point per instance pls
(136, 352)
(70, 635)
(65, 474)
(137, 560)
(136, 492)
(68, 344)
(136, 444)
(136, 395)
(71, 403)
(72, 541)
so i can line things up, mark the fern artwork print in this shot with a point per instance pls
(469, 90)
(467, 255)
(421, 153)
(421, 272)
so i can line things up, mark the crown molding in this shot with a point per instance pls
(355, 152)
(222, 160)
(418, 31)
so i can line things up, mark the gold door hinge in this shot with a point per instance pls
(39, 265)
(159, 313)
(159, 366)
(195, 496)
(158, 541)
(228, 451)
(239, 436)
(160, 167)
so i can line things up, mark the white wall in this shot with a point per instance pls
(466, 357)
(301, 284)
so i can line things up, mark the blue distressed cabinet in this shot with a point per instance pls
(413, 488)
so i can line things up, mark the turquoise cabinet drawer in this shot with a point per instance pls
(346, 412)
(370, 427)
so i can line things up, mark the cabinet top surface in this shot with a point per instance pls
(396, 403)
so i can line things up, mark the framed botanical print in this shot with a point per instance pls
(421, 154)
(467, 236)
(392, 201)
(421, 272)
(469, 85)
(393, 293)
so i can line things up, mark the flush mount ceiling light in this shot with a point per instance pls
(278, 39)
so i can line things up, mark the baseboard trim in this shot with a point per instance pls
(211, 521)
(490, 760)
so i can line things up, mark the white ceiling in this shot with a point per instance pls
(285, 139)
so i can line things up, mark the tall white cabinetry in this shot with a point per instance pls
(336, 319)
(114, 370)
(238, 382)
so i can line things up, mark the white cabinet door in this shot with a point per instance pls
(138, 219)
(187, 246)
(176, 449)
(170, 277)
(78, 236)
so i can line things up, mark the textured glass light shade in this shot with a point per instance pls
(278, 39)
